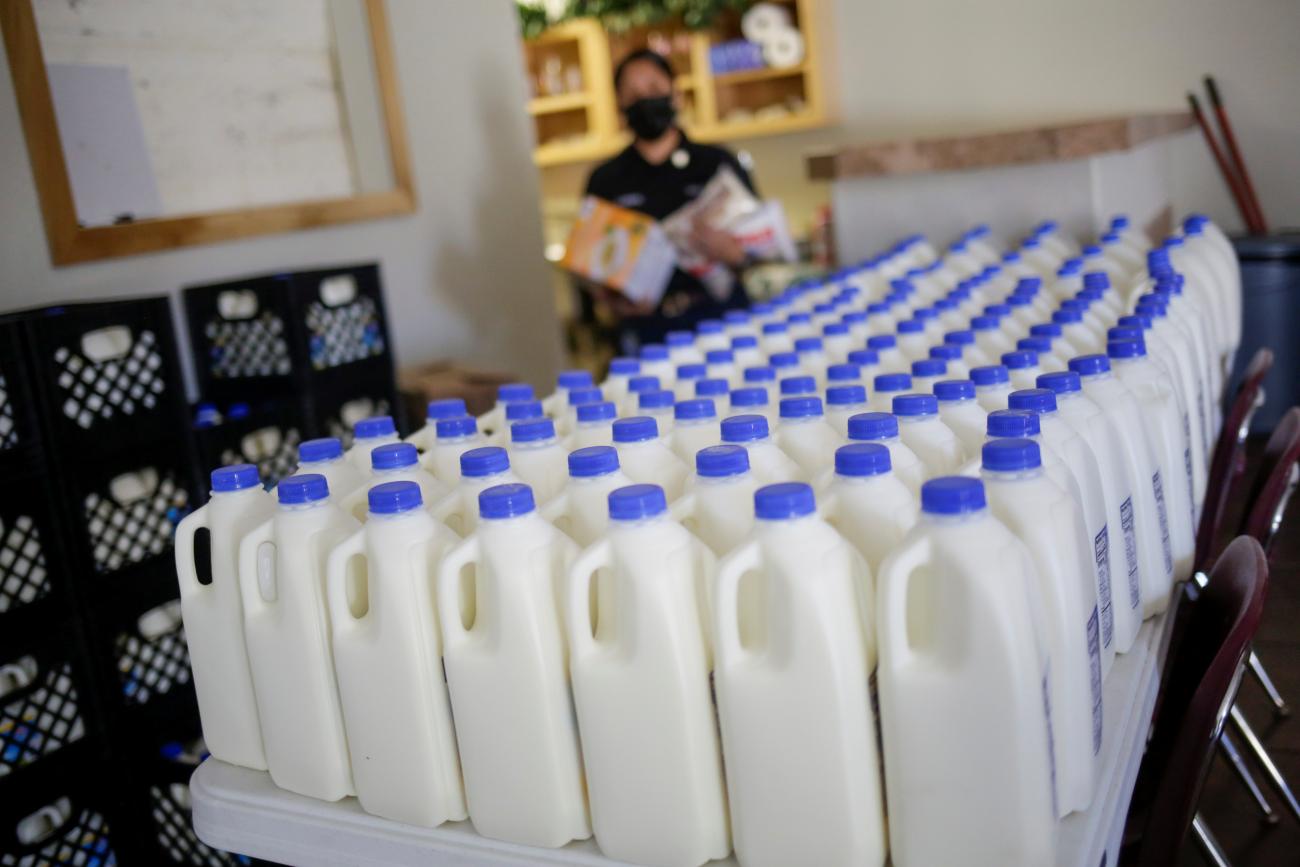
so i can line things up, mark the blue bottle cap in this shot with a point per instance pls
(946, 352)
(532, 430)
(998, 310)
(835, 329)
(1152, 310)
(375, 426)
(843, 373)
(523, 409)
(1036, 345)
(1069, 268)
(877, 307)
(303, 488)
(929, 367)
(1018, 301)
(1010, 455)
(635, 502)
(484, 461)
(709, 326)
(1124, 332)
(719, 356)
(1045, 329)
(717, 462)
(952, 495)
(798, 318)
(656, 399)
(899, 284)
(783, 501)
(449, 428)
(862, 459)
(512, 391)
(824, 308)
(873, 426)
(1060, 381)
(924, 314)
(447, 407)
(695, 408)
(1119, 221)
(984, 323)
(1029, 285)
(808, 344)
(505, 501)
(393, 498)
(1089, 365)
(744, 341)
(991, 374)
(1033, 399)
(625, 366)
(654, 352)
(804, 406)
(914, 405)
(1126, 348)
(911, 326)
(760, 374)
(846, 395)
(691, 371)
(954, 389)
(1010, 257)
(235, 478)
(679, 338)
(889, 382)
(1140, 321)
(1013, 423)
(1020, 359)
(600, 411)
(754, 396)
(881, 341)
(579, 396)
(864, 357)
(574, 379)
(965, 337)
(592, 461)
(775, 328)
(1096, 281)
(639, 384)
(635, 429)
(744, 428)
(1172, 241)
(323, 449)
(711, 387)
(793, 385)
(394, 456)
(783, 359)
(735, 317)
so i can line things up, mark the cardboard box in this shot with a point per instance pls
(622, 249)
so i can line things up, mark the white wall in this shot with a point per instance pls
(464, 276)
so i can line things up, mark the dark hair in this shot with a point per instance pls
(642, 54)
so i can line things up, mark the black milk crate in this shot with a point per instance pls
(267, 436)
(278, 333)
(342, 399)
(20, 439)
(35, 574)
(74, 818)
(107, 373)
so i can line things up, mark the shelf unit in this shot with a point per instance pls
(579, 125)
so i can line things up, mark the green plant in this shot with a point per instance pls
(619, 15)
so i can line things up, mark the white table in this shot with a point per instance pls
(242, 811)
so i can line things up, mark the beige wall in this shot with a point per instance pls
(936, 67)
(473, 250)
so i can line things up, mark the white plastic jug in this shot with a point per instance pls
(214, 614)
(922, 431)
(581, 510)
(566, 382)
(395, 462)
(641, 688)
(682, 349)
(747, 354)
(655, 362)
(566, 420)
(961, 413)
(753, 400)
(658, 405)
(620, 371)
(1023, 368)
(805, 435)
(367, 435)
(992, 386)
(492, 422)
(882, 427)
(287, 631)
(926, 372)
(867, 503)
(687, 376)
(842, 403)
(891, 357)
(537, 457)
(388, 658)
(960, 638)
(721, 364)
(645, 459)
(776, 339)
(594, 426)
(324, 457)
(794, 699)
(1046, 518)
(455, 437)
(718, 508)
(885, 388)
(635, 386)
(768, 462)
(446, 407)
(508, 674)
(696, 427)
(480, 468)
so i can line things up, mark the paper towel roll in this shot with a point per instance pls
(762, 20)
(784, 48)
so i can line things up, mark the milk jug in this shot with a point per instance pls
(1150, 514)
(1022, 367)
(713, 389)
(287, 632)
(753, 400)
(766, 460)
(522, 410)
(635, 386)
(885, 388)
(805, 435)
(655, 362)
(447, 407)
(989, 336)
(867, 503)
(1166, 424)
(793, 386)
(537, 457)
(776, 338)
(738, 323)
(992, 385)
(1042, 348)
(868, 363)
(1077, 337)
(455, 437)
(645, 459)
(926, 372)
(921, 430)
(594, 425)
(581, 511)
(971, 355)
(785, 364)
(658, 405)
(641, 688)
(721, 364)
(1050, 524)
(696, 427)
(508, 674)
(912, 341)
(492, 421)
(324, 457)
(961, 638)
(568, 419)
(1079, 459)
(395, 462)
(711, 335)
(745, 349)
(620, 371)
(687, 376)
(844, 374)
(388, 656)
(566, 382)
(794, 700)
(719, 508)
(682, 349)
(480, 468)
(961, 413)
(842, 403)
(837, 342)
(1087, 420)
(214, 615)
(367, 435)
(882, 427)
(892, 359)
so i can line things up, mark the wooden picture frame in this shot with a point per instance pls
(70, 243)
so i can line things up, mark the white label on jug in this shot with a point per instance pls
(1130, 551)
(1051, 742)
(1164, 522)
(1094, 664)
(1101, 550)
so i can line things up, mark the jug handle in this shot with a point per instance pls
(733, 567)
(448, 584)
(248, 557)
(186, 572)
(596, 557)
(357, 499)
(446, 507)
(336, 577)
(893, 596)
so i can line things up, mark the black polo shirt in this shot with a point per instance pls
(659, 190)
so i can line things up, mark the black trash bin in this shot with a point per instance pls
(1270, 284)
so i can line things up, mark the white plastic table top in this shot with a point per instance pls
(239, 810)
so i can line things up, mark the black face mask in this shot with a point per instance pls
(651, 117)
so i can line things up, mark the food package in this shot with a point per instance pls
(622, 249)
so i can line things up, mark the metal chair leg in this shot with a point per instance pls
(1265, 760)
(1270, 816)
(1280, 707)
(1209, 846)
